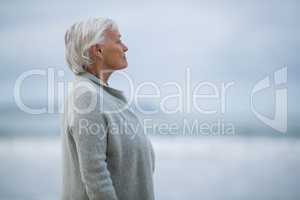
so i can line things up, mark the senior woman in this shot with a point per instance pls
(106, 154)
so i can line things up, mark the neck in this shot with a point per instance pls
(100, 72)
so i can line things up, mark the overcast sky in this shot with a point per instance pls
(220, 41)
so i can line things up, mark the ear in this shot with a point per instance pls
(95, 51)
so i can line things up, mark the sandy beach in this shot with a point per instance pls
(186, 168)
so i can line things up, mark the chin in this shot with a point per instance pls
(119, 65)
(123, 66)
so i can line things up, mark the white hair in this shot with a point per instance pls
(80, 37)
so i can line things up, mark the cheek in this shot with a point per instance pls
(113, 52)
(113, 57)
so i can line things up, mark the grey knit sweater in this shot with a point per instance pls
(106, 154)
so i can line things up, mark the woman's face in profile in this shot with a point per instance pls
(113, 51)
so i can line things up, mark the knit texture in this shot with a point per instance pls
(106, 153)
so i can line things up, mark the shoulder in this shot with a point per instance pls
(84, 95)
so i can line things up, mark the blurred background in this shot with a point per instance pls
(238, 42)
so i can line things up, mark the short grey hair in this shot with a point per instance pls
(80, 37)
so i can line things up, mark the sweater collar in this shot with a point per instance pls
(95, 79)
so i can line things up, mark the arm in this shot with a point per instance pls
(90, 135)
